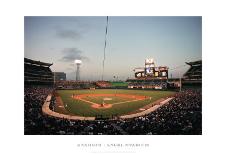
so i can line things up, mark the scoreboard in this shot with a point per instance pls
(156, 72)
(150, 71)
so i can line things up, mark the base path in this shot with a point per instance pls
(104, 105)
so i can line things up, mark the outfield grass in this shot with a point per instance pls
(82, 108)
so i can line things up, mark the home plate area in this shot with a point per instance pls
(103, 101)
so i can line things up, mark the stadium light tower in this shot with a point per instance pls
(78, 63)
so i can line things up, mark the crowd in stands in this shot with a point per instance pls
(151, 85)
(34, 98)
(103, 84)
(82, 84)
(74, 84)
(182, 115)
(88, 84)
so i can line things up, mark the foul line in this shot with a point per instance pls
(110, 103)
(148, 110)
(46, 110)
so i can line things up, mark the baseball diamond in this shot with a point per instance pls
(90, 103)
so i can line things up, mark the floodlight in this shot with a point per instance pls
(78, 61)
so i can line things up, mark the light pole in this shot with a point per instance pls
(77, 72)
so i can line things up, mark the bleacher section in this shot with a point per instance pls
(37, 73)
(74, 84)
(103, 84)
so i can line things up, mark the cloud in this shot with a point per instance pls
(70, 54)
(68, 34)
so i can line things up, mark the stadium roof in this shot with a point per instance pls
(38, 63)
(195, 63)
(59, 72)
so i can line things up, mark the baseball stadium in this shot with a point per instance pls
(106, 107)
(149, 103)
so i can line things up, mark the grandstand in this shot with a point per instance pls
(194, 73)
(103, 84)
(37, 73)
(193, 76)
(72, 84)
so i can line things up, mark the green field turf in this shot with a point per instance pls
(82, 108)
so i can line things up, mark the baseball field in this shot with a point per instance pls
(106, 102)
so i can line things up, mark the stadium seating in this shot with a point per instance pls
(103, 84)
(148, 85)
(37, 73)
(74, 84)
(194, 72)
(183, 115)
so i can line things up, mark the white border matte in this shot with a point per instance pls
(12, 138)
